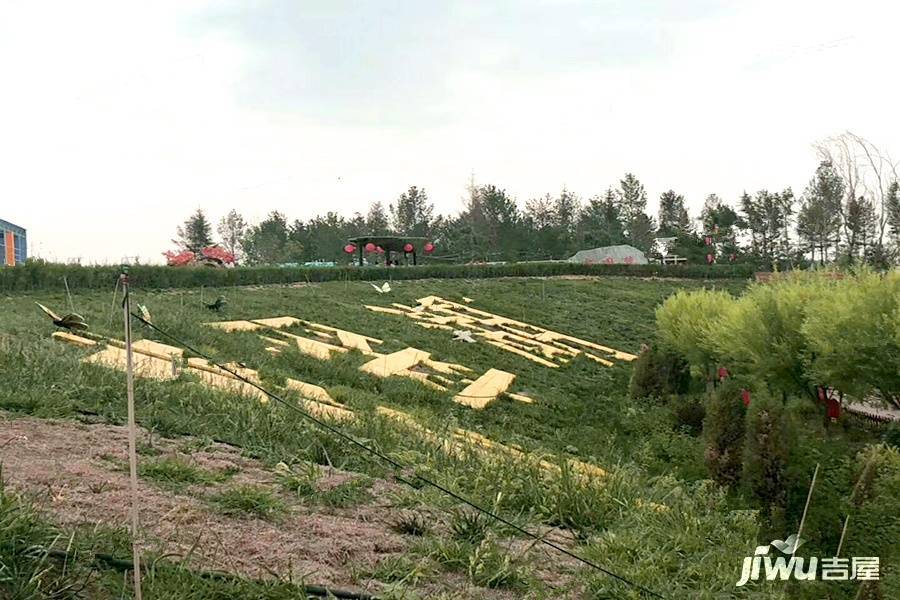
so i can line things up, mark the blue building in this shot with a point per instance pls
(13, 244)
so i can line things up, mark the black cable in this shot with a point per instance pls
(397, 465)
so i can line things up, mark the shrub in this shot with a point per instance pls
(852, 333)
(689, 414)
(686, 321)
(39, 275)
(659, 373)
(723, 431)
(766, 451)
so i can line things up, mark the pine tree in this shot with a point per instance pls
(196, 233)
(639, 227)
(723, 431)
(376, 219)
(766, 452)
(673, 215)
(600, 223)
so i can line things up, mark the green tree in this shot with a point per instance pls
(852, 332)
(723, 434)
(688, 323)
(819, 219)
(376, 219)
(892, 202)
(412, 213)
(232, 229)
(766, 452)
(760, 337)
(860, 226)
(196, 233)
(270, 242)
(639, 227)
(673, 215)
(600, 223)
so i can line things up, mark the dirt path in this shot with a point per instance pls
(73, 471)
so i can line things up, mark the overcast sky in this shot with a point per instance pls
(119, 118)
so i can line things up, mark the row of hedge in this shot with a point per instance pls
(44, 276)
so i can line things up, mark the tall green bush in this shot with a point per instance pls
(762, 336)
(766, 451)
(687, 322)
(658, 373)
(723, 433)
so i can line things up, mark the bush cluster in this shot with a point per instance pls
(38, 275)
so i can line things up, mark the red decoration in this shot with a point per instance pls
(745, 397)
(179, 259)
(408, 248)
(833, 408)
(218, 253)
(708, 241)
(723, 373)
(710, 259)
(349, 248)
(820, 390)
(609, 260)
(370, 247)
(379, 250)
(429, 248)
(629, 260)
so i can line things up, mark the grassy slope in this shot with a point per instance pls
(582, 409)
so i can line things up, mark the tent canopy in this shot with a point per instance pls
(615, 255)
(391, 243)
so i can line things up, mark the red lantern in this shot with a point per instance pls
(629, 260)
(723, 373)
(709, 259)
(609, 260)
(833, 408)
(429, 248)
(349, 248)
(708, 241)
(379, 250)
(370, 247)
(745, 397)
(408, 248)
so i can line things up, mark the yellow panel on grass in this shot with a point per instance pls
(314, 348)
(389, 364)
(232, 326)
(144, 365)
(485, 389)
(354, 341)
(278, 322)
(384, 309)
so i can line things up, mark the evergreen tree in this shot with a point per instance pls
(766, 452)
(600, 223)
(639, 227)
(232, 229)
(723, 432)
(376, 220)
(673, 215)
(196, 233)
(412, 213)
(892, 201)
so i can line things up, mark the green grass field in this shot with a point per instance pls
(692, 550)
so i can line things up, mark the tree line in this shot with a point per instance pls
(849, 212)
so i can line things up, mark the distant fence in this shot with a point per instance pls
(49, 276)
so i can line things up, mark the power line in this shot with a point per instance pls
(397, 465)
